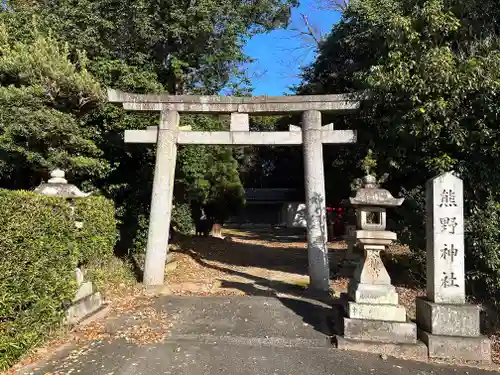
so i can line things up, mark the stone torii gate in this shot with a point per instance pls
(312, 135)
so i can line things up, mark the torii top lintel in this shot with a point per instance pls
(258, 105)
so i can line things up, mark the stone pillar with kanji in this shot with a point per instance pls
(447, 325)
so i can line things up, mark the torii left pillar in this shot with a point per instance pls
(162, 199)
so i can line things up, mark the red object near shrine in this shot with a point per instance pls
(335, 220)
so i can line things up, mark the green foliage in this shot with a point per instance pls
(189, 46)
(209, 174)
(140, 237)
(182, 221)
(165, 46)
(483, 256)
(42, 96)
(38, 269)
(97, 237)
(369, 163)
(117, 271)
(432, 69)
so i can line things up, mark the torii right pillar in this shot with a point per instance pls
(314, 179)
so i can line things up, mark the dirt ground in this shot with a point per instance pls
(251, 261)
(241, 263)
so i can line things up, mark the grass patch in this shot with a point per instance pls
(115, 272)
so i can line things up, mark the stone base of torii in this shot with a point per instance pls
(312, 135)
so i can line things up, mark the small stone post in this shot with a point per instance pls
(447, 325)
(319, 267)
(350, 236)
(161, 200)
(375, 321)
(217, 230)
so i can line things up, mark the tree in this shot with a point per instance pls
(432, 69)
(151, 46)
(43, 97)
(192, 46)
(209, 174)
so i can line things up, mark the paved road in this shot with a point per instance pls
(233, 335)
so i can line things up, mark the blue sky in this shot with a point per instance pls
(280, 53)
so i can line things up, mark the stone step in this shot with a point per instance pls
(380, 331)
(373, 294)
(448, 319)
(407, 351)
(83, 308)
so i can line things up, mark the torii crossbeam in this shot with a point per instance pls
(312, 135)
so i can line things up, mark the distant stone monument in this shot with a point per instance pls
(449, 327)
(352, 254)
(374, 321)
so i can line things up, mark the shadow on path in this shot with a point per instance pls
(290, 256)
(314, 312)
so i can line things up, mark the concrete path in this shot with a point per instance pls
(232, 335)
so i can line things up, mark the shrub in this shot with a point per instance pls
(37, 268)
(97, 237)
(140, 239)
(483, 251)
(182, 220)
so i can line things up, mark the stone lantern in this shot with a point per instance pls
(371, 280)
(374, 319)
(86, 301)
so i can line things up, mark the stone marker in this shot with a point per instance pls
(374, 321)
(445, 240)
(448, 326)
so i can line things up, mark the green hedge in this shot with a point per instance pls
(40, 247)
(37, 269)
(97, 237)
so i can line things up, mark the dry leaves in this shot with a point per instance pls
(133, 319)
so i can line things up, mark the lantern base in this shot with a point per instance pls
(373, 294)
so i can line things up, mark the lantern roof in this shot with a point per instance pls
(58, 186)
(372, 195)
